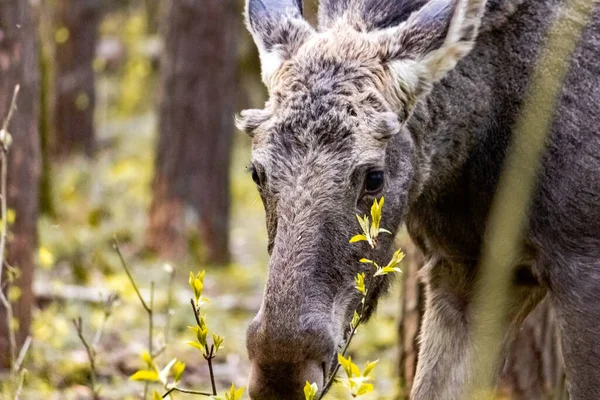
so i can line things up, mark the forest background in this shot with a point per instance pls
(124, 129)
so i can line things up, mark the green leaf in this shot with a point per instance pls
(178, 369)
(369, 367)
(198, 346)
(346, 364)
(147, 358)
(156, 396)
(355, 320)
(145, 376)
(234, 394)
(364, 388)
(310, 391)
(360, 283)
(392, 265)
(164, 373)
(218, 341)
(358, 238)
(386, 270)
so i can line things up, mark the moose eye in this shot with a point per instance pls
(374, 182)
(255, 175)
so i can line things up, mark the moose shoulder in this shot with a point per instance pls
(425, 94)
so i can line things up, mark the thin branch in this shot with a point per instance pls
(210, 352)
(187, 391)
(148, 309)
(210, 369)
(12, 341)
(13, 107)
(126, 268)
(22, 377)
(171, 272)
(23, 353)
(108, 306)
(91, 353)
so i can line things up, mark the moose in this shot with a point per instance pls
(416, 100)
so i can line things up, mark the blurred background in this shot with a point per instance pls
(124, 129)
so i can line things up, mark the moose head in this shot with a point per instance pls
(332, 137)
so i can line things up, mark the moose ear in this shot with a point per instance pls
(432, 40)
(278, 29)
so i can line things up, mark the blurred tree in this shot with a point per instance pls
(413, 307)
(19, 65)
(76, 35)
(152, 15)
(195, 127)
(533, 368)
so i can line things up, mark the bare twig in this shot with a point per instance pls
(13, 107)
(108, 307)
(187, 391)
(91, 353)
(12, 341)
(128, 272)
(149, 309)
(22, 377)
(23, 353)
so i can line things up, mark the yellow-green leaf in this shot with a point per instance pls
(358, 238)
(234, 394)
(147, 358)
(310, 391)
(164, 373)
(145, 375)
(197, 345)
(217, 341)
(369, 367)
(178, 369)
(355, 320)
(364, 388)
(360, 283)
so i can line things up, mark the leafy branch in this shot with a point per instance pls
(357, 381)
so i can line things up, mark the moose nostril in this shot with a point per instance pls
(284, 381)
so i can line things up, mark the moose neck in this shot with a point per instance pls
(462, 129)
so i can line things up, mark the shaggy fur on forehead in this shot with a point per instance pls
(329, 91)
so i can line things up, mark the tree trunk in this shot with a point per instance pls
(413, 306)
(19, 65)
(195, 127)
(533, 369)
(77, 34)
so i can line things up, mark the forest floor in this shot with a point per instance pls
(95, 200)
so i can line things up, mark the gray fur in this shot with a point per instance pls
(376, 88)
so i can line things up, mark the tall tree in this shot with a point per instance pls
(533, 369)
(195, 127)
(19, 65)
(74, 83)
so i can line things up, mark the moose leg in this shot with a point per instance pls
(575, 294)
(444, 366)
